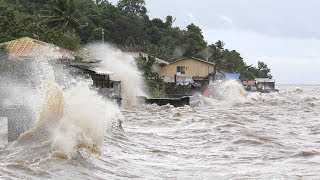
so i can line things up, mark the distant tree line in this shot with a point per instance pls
(72, 23)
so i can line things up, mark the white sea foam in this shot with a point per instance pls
(229, 92)
(68, 113)
(85, 119)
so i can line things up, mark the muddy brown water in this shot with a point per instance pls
(261, 136)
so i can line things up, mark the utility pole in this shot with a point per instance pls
(102, 35)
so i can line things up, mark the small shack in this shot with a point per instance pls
(249, 85)
(101, 79)
(265, 84)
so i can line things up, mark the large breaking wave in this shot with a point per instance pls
(69, 114)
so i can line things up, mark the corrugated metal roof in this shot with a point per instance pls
(197, 59)
(27, 48)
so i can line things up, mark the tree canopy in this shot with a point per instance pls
(133, 6)
(72, 23)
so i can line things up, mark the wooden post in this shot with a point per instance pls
(108, 81)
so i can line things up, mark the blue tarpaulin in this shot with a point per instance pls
(232, 76)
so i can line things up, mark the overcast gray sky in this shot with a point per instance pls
(283, 33)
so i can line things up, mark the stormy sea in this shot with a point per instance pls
(272, 135)
(80, 135)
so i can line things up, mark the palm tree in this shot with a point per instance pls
(220, 45)
(216, 54)
(61, 16)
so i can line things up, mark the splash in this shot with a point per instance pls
(233, 91)
(50, 114)
(229, 92)
(85, 119)
(289, 95)
(124, 68)
(69, 115)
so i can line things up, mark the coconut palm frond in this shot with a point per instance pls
(61, 15)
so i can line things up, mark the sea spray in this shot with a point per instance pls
(84, 122)
(50, 105)
(24, 86)
(50, 114)
(233, 91)
(229, 92)
(124, 68)
(70, 115)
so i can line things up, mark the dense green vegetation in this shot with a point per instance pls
(72, 23)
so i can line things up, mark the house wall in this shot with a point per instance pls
(194, 68)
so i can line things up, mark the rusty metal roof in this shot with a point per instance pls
(28, 48)
(248, 82)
